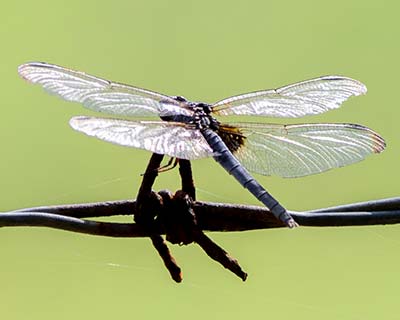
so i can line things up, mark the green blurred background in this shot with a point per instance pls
(204, 50)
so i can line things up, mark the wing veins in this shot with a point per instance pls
(304, 149)
(99, 94)
(308, 97)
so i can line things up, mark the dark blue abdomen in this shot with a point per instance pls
(227, 160)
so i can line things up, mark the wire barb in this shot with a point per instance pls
(174, 215)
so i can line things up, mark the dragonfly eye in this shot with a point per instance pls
(180, 99)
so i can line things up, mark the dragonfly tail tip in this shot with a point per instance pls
(291, 223)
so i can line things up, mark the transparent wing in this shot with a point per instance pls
(296, 100)
(304, 149)
(99, 94)
(169, 138)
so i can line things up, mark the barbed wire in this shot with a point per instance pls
(211, 217)
(183, 219)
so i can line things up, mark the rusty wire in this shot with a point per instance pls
(183, 219)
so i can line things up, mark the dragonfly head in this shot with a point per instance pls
(180, 99)
(205, 107)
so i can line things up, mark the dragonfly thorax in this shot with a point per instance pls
(202, 117)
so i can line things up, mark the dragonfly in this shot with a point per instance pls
(191, 130)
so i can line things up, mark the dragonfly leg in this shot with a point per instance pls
(171, 164)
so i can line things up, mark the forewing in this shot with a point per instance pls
(99, 94)
(308, 97)
(304, 149)
(169, 138)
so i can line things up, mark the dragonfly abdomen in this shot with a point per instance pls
(228, 161)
